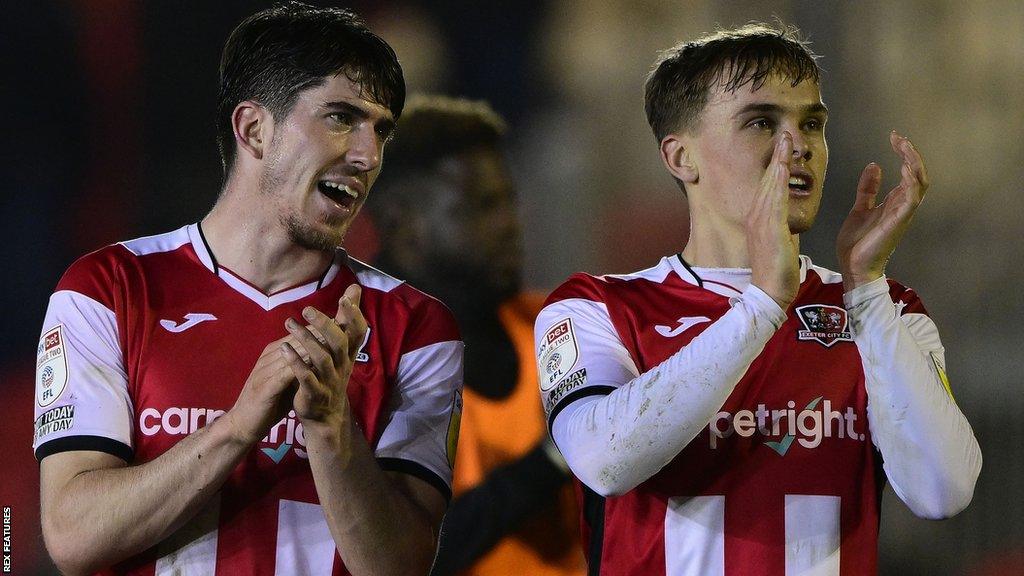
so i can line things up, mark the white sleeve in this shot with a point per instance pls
(422, 426)
(617, 428)
(579, 353)
(81, 399)
(929, 452)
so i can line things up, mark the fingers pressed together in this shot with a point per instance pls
(326, 342)
(913, 171)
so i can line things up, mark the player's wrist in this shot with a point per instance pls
(782, 296)
(234, 431)
(331, 441)
(329, 431)
(853, 279)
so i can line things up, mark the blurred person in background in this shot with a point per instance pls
(238, 395)
(447, 217)
(736, 409)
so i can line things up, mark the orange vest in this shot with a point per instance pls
(495, 432)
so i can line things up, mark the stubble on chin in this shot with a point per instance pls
(301, 232)
(802, 220)
(799, 226)
(310, 238)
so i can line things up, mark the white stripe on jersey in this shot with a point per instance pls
(417, 422)
(192, 549)
(370, 277)
(277, 299)
(827, 276)
(165, 242)
(264, 301)
(730, 282)
(695, 536)
(812, 535)
(304, 543)
(656, 274)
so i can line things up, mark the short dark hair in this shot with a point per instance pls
(433, 129)
(277, 53)
(679, 83)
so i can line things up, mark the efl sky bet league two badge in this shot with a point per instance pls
(51, 367)
(558, 353)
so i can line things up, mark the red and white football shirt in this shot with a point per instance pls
(783, 480)
(149, 340)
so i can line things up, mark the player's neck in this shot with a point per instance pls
(717, 244)
(252, 244)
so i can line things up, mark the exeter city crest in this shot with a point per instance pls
(824, 324)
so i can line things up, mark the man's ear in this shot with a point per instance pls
(678, 159)
(253, 127)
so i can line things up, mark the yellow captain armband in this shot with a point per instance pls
(452, 440)
(942, 376)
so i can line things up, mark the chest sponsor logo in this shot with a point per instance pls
(54, 420)
(558, 353)
(808, 427)
(51, 366)
(191, 319)
(684, 324)
(285, 436)
(824, 324)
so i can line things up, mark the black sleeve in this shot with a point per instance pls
(481, 517)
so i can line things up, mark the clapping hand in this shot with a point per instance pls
(872, 231)
(321, 356)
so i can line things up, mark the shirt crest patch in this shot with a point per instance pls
(824, 323)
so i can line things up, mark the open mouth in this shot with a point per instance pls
(341, 194)
(800, 184)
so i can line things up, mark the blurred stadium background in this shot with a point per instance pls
(109, 134)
